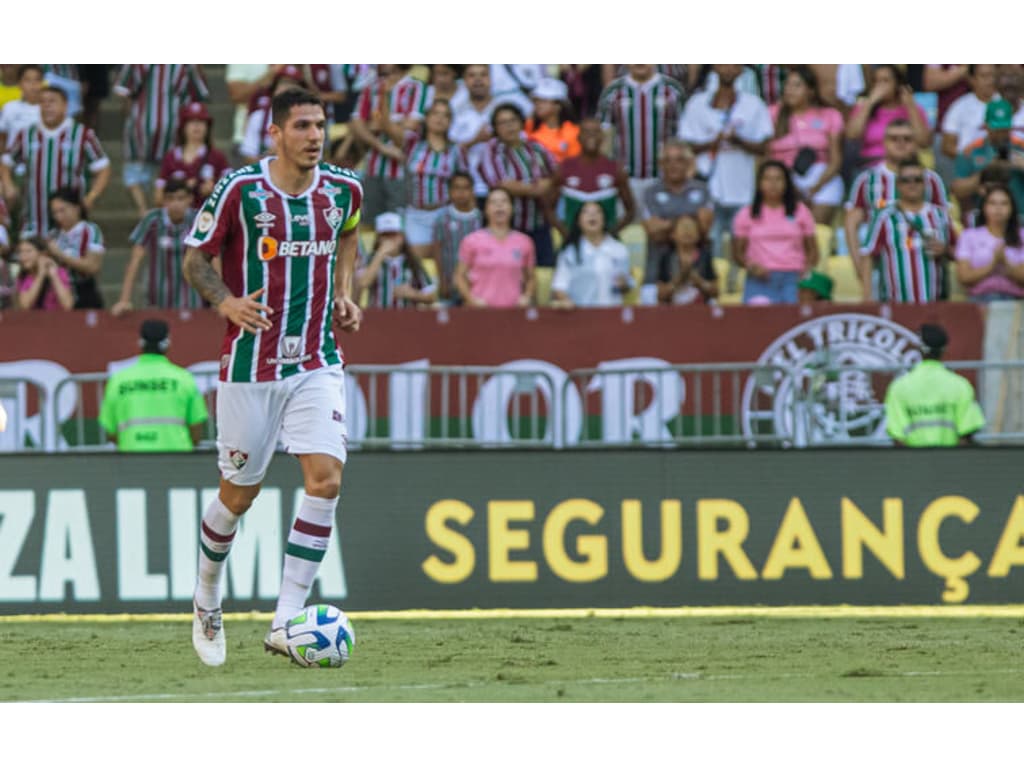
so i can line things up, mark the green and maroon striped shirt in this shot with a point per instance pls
(643, 115)
(157, 93)
(164, 241)
(429, 170)
(897, 238)
(407, 99)
(286, 244)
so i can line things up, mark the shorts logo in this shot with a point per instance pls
(268, 248)
(819, 392)
(205, 222)
(334, 217)
(291, 346)
(237, 458)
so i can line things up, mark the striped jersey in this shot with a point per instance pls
(527, 162)
(408, 98)
(157, 93)
(53, 158)
(875, 189)
(771, 79)
(587, 180)
(896, 239)
(643, 115)
(82, 239)
(164, 242)
(396, 271)
(450, 227)
(286, 244)
(429, 170)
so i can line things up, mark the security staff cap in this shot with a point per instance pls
(153, 331)
(933, 336)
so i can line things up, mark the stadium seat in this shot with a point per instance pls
(635, 239)
(846, 286)
(632, 298)
(543, 276)
(823, 234)
(725, 298)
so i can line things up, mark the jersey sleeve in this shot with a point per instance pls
(126, 82)
(490, 172)
(195, 84)
(873, 239)
(94, 154)
(857, 197)
(937, 189)
(94, 239)
(15, 149)
(214, 221)
(108, 410)
(969, 417)
(364, 106)
(896, 419)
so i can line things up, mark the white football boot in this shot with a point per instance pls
(276, 642)
(208, 635)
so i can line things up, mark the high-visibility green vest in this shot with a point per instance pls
(151, 404)
(931, 406)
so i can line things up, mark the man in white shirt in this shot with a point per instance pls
(964, 121)
(471, 124)
(728, 129)
(22, 112)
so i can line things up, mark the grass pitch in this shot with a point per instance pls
(725, 658)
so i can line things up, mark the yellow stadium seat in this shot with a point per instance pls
(823, 234)
(632, 298)
(846, 285)
(556, 240)
(635, 239)
(430, 267)
(722, 270)
(543, 277)
(420, 72)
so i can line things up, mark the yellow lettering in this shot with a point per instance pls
(502, 540)
(592, 548)
(671, 554)
(1009, 551)
(796, 546)
(952, 569)
(860, 533)
(728, 543)
(461, 549)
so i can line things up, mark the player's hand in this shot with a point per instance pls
(246, 312)
(347, 314)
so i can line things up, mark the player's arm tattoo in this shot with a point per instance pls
(203, 277)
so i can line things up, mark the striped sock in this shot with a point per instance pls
(307, 543)
(216, 533)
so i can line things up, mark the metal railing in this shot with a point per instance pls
(26, 405)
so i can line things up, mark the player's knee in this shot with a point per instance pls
(325, 487)
(238, 498)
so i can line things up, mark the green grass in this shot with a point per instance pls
(730, 659)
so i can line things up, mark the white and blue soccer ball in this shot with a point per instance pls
(320, 636)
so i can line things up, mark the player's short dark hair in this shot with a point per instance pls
(459, 175)
(26, 67)
(505, 106)
(59, 91)
(281, 105)
(174, 185)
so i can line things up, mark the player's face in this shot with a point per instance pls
(177, 204)
(65, 214)
(301, 140)
(52, 108)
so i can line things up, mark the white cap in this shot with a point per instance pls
(550, 88)
(388, 222)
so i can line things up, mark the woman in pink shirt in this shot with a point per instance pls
(808, 139)
(889, 98)
(990, 257)
(773, 238)
(41, 283)
(496, 263)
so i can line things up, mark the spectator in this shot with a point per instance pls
(949, 82)
(990, 256)
(677, 193)
(808, 139)
(431, 159)
(456, 220)
(907, 241)
(513, 84)
(23, 112)
(930, 406)
(394, 276)
(403, 100)
(692, 278)
(964, 121)
(78, 246)
(68, 78)
(875, 189)
(496, 263)
(153, 405)
(193, 158)
(1010, 82)
(890, 98)
(839, 85)
(593, 267)
(155, 94)
(256, 141)
(1001, 147)
(585, 85)
(446, 83)
(728, 130)
(8, 290)
(159, 241)
(57, 152)
(245, 82)
(991, 175)
(471, 124)
(353, 80)
(9, 90)
(41, 283)
(642, 108)
(549, 127)
(591, 175)
(816, 288)
(329, 83)
(523, 168)
(774, 238)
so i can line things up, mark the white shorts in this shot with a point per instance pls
(419, 225)
(304, 413)
(830, 194)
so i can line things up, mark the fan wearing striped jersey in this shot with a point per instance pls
(285, 229)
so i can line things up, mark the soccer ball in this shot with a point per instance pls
(320, 636)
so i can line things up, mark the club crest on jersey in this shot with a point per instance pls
(237, 458)
(334, 217)
(264, 219)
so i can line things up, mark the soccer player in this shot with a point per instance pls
(286, 230)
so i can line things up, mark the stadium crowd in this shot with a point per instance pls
(491, 185)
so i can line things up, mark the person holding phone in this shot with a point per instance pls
(890, 98)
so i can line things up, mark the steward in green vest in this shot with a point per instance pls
(930, 406)
(153, 405)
